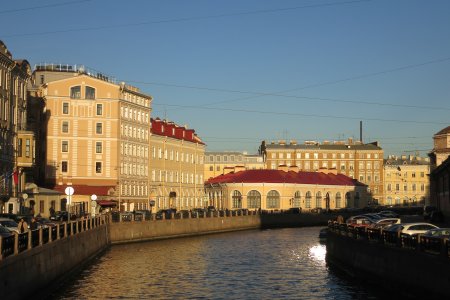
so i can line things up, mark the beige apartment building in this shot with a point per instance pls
(217, 162)
(97, 134)
(283, 189)
(363, 162)
(177, 164)
(16, 141)
(406, 180)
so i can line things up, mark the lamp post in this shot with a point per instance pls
(69, 192)
(93, 204)
(21, 202)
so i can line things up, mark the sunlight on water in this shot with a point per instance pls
(257, 264)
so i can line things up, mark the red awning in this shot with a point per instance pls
(106, 203)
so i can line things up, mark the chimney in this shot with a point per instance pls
(283, 168)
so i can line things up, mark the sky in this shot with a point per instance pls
(243, 71)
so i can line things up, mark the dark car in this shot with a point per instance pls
(294, 210)
(5, 232)
(167, 213)
(428, 210)
(182, 214)
(198, 213)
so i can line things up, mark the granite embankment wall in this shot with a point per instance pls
(125, 232)
(27, 274)
(406, 270)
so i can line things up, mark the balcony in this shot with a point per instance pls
(25, 149)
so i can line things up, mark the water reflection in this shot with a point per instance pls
(270, 264)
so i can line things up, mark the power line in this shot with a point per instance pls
(42, 6)
(186, 19)
(303, 115)
(279, 94)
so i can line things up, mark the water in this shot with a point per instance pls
(269, 264)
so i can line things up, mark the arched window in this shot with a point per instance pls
(237, 199)
(405, 201)
(297, 199)
(348, 197)
(253, 199)
(273, 199)
(318, 199)
(397, 200)
(338, 200)
(308, 199)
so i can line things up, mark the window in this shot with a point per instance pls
(211, 168)
(237, 199)
(65, 146)
(64, 166)
(297, 199)
(319, 199)
(27, 147)
(99, 128)
(98, 147)
(308, 200)
(273, 199)
(90, 92)
(65, 127)
(338, 200)
(75, 92)
(253, 199)
(389, 187)
(98, 167)
(65, 108)
(19, 147)
(99, 109)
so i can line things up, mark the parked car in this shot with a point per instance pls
(198, 213)
(10, 224)
(60, 216)
(383, 223)
(359, 222)
(294, 210)
(416, 228)
(438, 232)
(427, 210)
(211, 208)
(5, 232)
(182, 214)
(167, 213)
(388, 214)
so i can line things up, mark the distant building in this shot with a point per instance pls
(440, 174)
(363, 162)
(16, 141)
(406, 180)
(176, 163)
(283, 189)
(96, 133)
(441, 147)
(217, 162)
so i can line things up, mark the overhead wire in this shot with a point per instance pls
(7, 11)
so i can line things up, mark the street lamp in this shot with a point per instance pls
(69, 192)
(24, 198)
(93, 204)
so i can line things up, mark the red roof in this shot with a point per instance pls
(86, 189)
(170, 129)
(278, 176)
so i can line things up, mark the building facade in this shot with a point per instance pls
(363, 162)
(440, 171)
(177, 164)
(406, 180)
(284, 189)
(97, 133)
(16, 142)
(217, 162)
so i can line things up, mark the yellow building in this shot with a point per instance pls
(217, 162)
(97, 133)
(16, 141)
(284, 189)
(363, 162)
(177, 164)
(406, 180)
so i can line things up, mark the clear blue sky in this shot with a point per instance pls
(243, 71)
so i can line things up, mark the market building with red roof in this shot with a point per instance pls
(285, 188)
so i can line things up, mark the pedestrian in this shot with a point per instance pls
(33, 224)
(340, 219)
(23, 226)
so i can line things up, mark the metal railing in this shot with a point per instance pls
(416, 242)
(21, 242)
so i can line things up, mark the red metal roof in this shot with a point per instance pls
(278, 176)
(170, 129)
(86, 189)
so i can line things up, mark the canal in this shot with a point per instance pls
(257, 264)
